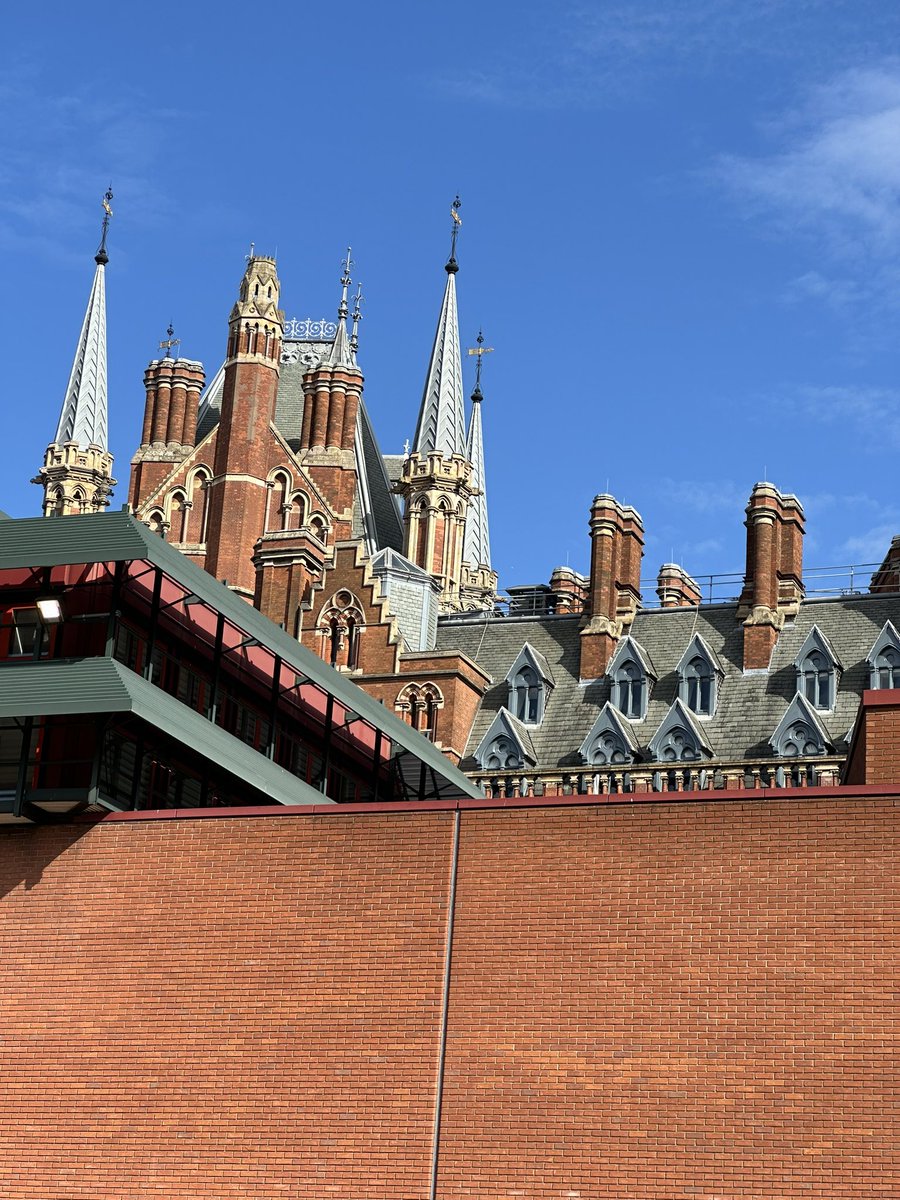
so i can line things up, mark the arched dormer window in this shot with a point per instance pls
(610, 741)
(800, 733)
(502, 755)
(506, 746)
(817, 667)
(530, 682)
(630, 672)
(884, 659)
(679, 738)
(699, 676)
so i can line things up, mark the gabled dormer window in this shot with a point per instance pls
(630, 672)
(699, 676)
(817, 666)
(530, 681)
(506, 746)
(678, 738)
(884, 659)
(800, 733)
(610, 741)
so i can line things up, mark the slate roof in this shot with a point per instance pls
(385, 527)
(749, 706)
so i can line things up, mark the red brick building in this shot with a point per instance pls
(656, 960)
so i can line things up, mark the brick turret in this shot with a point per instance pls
(675, 588)
(237, 491)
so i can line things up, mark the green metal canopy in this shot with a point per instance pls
(120, 537)
(103, 685)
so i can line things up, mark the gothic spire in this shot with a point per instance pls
(83, 418)
(441, 424)
(477, 544)
(341, 350)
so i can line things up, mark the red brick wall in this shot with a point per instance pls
(648, 1000)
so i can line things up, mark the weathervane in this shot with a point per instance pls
(170, 341)
(454, 231)
(481, 350)
(101, 256)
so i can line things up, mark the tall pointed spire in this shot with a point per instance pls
(83, 418)
(76, 475)
(441, 424)
(477, 543)
(341, 351)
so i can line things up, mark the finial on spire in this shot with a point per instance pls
(252, 251)
(481, 350)
(101, 257)
(357, 317)
(345, 283)
(170, 341)
(452, 265)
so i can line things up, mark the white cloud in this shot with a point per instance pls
(836, 174)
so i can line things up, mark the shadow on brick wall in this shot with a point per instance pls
(27, 852)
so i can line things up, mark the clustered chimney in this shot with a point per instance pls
(675, 588)
(773, 580)
(617, 545)
(173, 394)
(570, 590)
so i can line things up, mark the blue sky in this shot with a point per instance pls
(681, 235)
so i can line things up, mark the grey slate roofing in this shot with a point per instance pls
(376, 517)
(83, 417)
(749, 706)
(120, 537)
(102, 685)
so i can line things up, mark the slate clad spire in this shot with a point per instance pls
(441, 425)
(477, 544)
(83, 418)
(77, 471)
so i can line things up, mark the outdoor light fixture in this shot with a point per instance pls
(50, 610)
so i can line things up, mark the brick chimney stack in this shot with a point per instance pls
(773, 580)
(173, 387)
(617, 545)
(570, 590)
(675, 588)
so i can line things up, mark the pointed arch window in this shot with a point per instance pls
(199, 492)
(527, 700)
(799, 733)
(502, 754)
(609, 750)
(884, 659)
(816, 678)
(530, 681)
(699, 686)
(418, 705)
(887, 668)
(341, 625)
(629, 690)
(817, 666)
(678, 745)
(799, 740)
